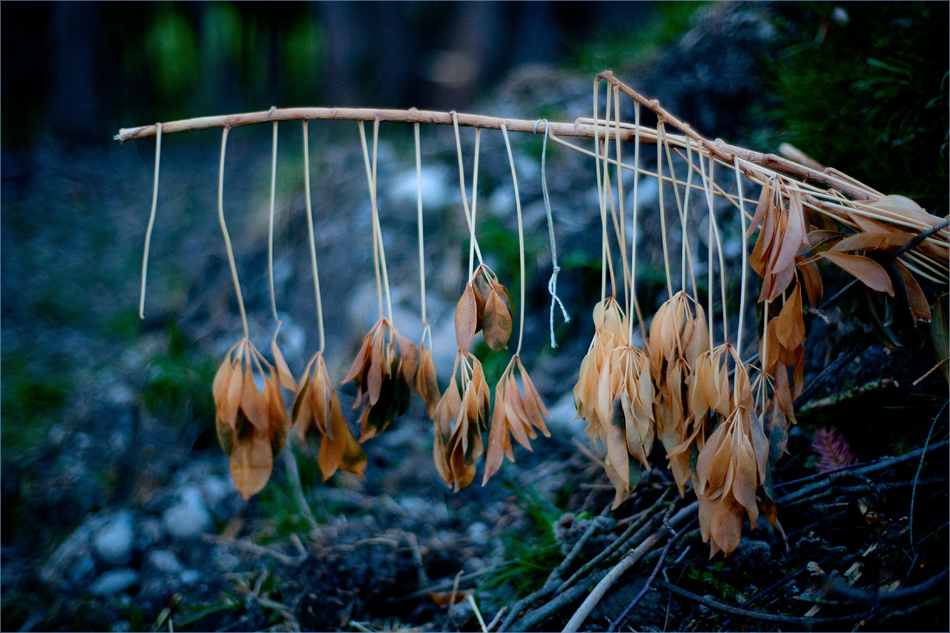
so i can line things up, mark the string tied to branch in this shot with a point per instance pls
(552, 282)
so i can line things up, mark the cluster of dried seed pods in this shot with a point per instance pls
(384, 372)
(732, 475)
(678, 335)
(318, 414)
(485, 307)
(462, 414)
(251, 424)
(615, 395)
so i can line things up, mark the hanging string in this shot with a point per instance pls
(151, 217)
(552, 283)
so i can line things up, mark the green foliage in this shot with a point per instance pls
(177, 384)
(32, 399)
(530, 553)
(667, 21)
(868, 94)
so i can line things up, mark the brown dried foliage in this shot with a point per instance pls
(460, 418)
(615, 395)
(251, 424)
(513, 414)
(485, 307)
(384, 372)
(317, 414)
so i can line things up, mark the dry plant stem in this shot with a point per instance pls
(623, 234)
(662, 209)
(313, 247)
(600, 199)
(620, 568)
(471, 241)
(913, 492)
(468, 215)
(633, 246)
(802, 623)
(369, 179)
(270, 233)
(619, 233)
(514, 180)
(379, 230)
(151, 218)
(714, 232)
(293, 474)
(224, 230)
(745, 259)
(681, 208)
(422, 258)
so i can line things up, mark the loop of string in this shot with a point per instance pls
(552, 282)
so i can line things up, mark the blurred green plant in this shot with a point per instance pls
(863, 88)
(667, 21)
(31, 401)
(177, 383)
(531, 553)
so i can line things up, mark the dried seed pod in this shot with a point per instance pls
(251, 425)
(384, 372)
(317, 414)
(426, 384)
(515, 415)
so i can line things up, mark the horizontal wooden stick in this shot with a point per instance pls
(411, 115)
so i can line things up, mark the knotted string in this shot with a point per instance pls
(552, 283)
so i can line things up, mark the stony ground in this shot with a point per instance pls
(119, 513)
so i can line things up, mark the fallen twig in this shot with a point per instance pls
(802, 623)
(530, 620)
(852, 593)
(551, 585)
(829, 479)
(620, 568)
(913, 492)
(646, 587)
(864, 341)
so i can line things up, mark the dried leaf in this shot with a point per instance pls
(426, 384)
(916, 299)
(497, 324)
(283, 370)
(251, 464)
(867, 271)
(466, 317)
(359, 363)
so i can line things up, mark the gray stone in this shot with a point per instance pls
(190, 576)
(165, 562)
(82, 570)
(149, 533)
(114, 581)
(113, 542)
(478, 533)
(189, 517)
